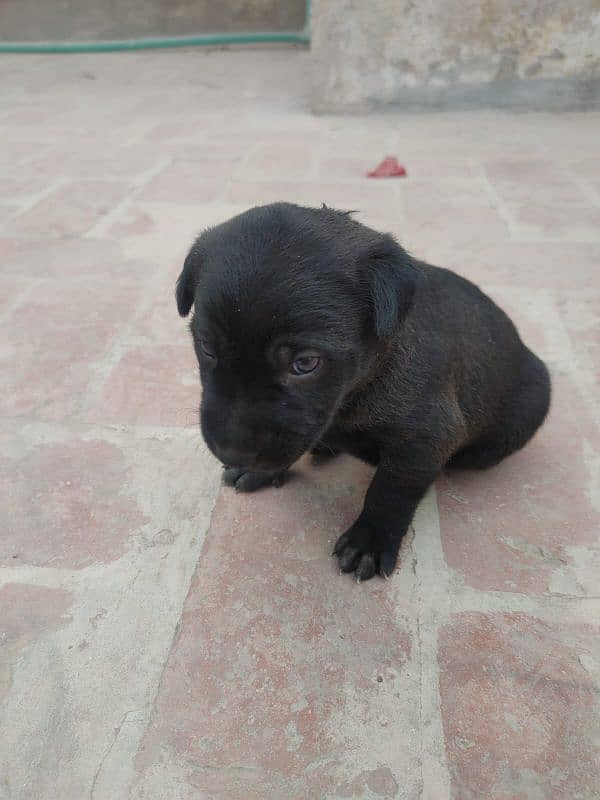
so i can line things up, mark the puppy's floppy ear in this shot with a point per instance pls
(187, 281)
(392, 276)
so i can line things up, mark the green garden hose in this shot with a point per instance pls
(156, 43)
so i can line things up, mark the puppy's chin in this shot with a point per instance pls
(269, 463)
(269, 466)
(263, 462)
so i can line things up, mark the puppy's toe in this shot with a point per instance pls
(341, 543)
(387, 564)
(366, 567)
(349, 558)
(231, 475)
(248, 481)
(279, 478)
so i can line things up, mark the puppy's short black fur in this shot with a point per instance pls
(315, 333)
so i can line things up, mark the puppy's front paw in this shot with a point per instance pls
(366, 550)
(245, 481)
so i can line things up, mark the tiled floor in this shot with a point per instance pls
(164, 639)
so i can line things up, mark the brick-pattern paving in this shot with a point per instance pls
(163, 638)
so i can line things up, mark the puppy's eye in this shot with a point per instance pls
(207, 351)
(305, 365)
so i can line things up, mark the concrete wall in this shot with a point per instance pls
(40, 20)
(455, 53)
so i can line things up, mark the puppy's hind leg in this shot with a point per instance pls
(523, 415)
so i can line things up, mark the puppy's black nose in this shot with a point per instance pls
(232, 457)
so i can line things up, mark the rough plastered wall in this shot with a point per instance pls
(452, 53)
(58, 20)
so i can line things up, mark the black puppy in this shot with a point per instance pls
(315, 333)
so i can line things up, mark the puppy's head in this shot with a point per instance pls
(291, 306)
